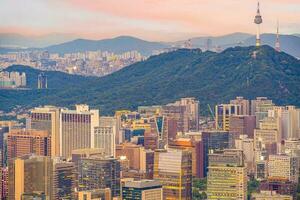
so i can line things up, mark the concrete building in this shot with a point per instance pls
(77, 129)
(270, 195)
(244, 104)
(223, 113)
(227, 176)
(260, 107)
(98, 172)
(173, 168)
(28, 175)
(142, 190)
(102, 194)
(64, 180)
(47, 118)
(242, 125)
(247, 146)
(283, 167)
(193, 146)
(42, 81)
(211, 141)
(105, 138)
(22, 142)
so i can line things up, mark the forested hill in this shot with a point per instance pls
(210, 77)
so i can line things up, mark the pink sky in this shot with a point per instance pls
(165, 20)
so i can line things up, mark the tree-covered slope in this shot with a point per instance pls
(210, 77)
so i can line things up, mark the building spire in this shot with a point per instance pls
(277, 44)
(258, 21)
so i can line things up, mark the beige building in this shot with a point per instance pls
(227, 176)
(105, 138)
(283, 167)
(173, 168)
(260, 107)
(77, 129)
(247, 146)
(47, 118)
(28, 175)
(142, 190)
(244, 103)
(97, 194)
(223, 113)
(270, 195)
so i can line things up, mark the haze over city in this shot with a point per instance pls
(167, 20)
(149, 100)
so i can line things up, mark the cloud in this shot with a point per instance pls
(149, 19)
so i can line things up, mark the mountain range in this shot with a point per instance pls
(210, 77)
(13, 40)
(289, 43)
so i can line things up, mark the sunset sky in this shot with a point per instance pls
(163, 20)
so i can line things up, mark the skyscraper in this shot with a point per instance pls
(98, 172)
(260, 107)
(227, 176)
(244, 103)
(47, 118)
(28, 175)
(77, 129)
(22, 142)
(173, 168)
(223, 113)
(142, 190)
(283, 167)
(105, 138)
(211, 141)
(258, 21)
(42, 81)
(64, 178)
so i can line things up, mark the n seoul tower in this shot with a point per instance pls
(258, 21)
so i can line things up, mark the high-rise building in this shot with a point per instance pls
(42, 81)
(98, 172)
(142, 190)
(242, 125)
(77, 129)
(260, 107)
(173, 168)
(247, 146)
(64, 178)
(47, 118)
(227, 176)
(175, 120)
(105, 138)
(211, 141)
(258, 21)
(22, 142)
(132, 152)
(244, 103)
(283, 167)
(223, 113)
(192, 109)
(28, 175)
(193, 146)
(96, 194)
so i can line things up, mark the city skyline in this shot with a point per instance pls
(153, 20)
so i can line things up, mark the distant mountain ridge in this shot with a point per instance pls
(117, 45)
(12, 40)
(289, 43)
(210, 77)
